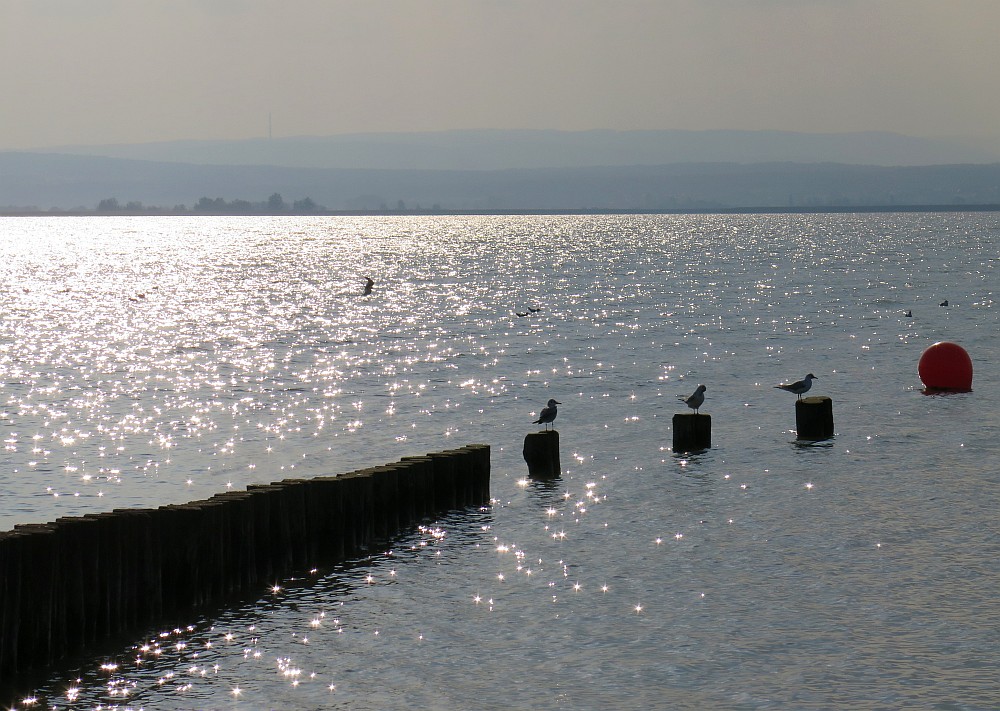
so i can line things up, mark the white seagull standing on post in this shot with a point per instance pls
(695, 400)
(799, 387)
(548, 413)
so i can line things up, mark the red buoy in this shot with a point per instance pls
(946, 366)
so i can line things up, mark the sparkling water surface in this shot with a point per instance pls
(156, 360)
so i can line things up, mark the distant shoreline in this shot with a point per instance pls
(808, 210)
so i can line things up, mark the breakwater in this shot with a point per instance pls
(78, 580)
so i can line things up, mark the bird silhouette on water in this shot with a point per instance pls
(369, 285)
(695, 399)
(548, 413)
(799, 387)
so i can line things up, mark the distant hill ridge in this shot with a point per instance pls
(67, 182)
(527, 149)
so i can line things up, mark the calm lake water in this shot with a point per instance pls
(148, 361)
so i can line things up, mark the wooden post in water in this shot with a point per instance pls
(39, 585)
(422, 472)
(329, 504)
(358, 511)
(482, 475)
(406, 491)
(385, 487)
(10, 601)
(445, 496)
(79, 579)
(85, 575)
(692, 432)
(276, 540)
(293, 502)
(541, 452)
(814, 418)
(109, 556)
(478, 474)
(243, 562)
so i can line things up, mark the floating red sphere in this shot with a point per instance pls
(946, 366)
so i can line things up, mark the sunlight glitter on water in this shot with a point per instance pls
(189, 356)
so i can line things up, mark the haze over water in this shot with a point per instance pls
(155, 360)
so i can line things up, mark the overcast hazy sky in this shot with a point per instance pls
(126, 71)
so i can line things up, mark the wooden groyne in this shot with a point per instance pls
(74, 582)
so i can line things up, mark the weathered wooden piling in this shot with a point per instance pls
(39, 581)
(422, 472)
(541, 452)
(295, 496)
(385, 492)
(275, 531)
(332, 528)
(241, 540)
(479, 478)
(72, 547)
(445, 479)
(81, 569)
(359, 509)
(260, 507)
(406, 503)
(814, 418)
(10, 599)
(68, 584)
(692, 432)
(109, 561)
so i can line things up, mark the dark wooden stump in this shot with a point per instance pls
(422, 473)
(692, 432)
(814, 418)
(541, 452)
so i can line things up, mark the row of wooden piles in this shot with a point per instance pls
(813, 423)
(68, 584)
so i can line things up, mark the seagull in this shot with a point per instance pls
(944, 303)
(520, 314)
(908, 314)
(534, 311)
(799, 386)
(368, 286)
(696, 398)
(548, 413)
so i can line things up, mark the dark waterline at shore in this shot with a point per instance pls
(804, 210)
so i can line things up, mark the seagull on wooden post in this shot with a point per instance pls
(799, 387)
(548, 413)
(695, 400)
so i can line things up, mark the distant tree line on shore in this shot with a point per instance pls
(274, 204)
